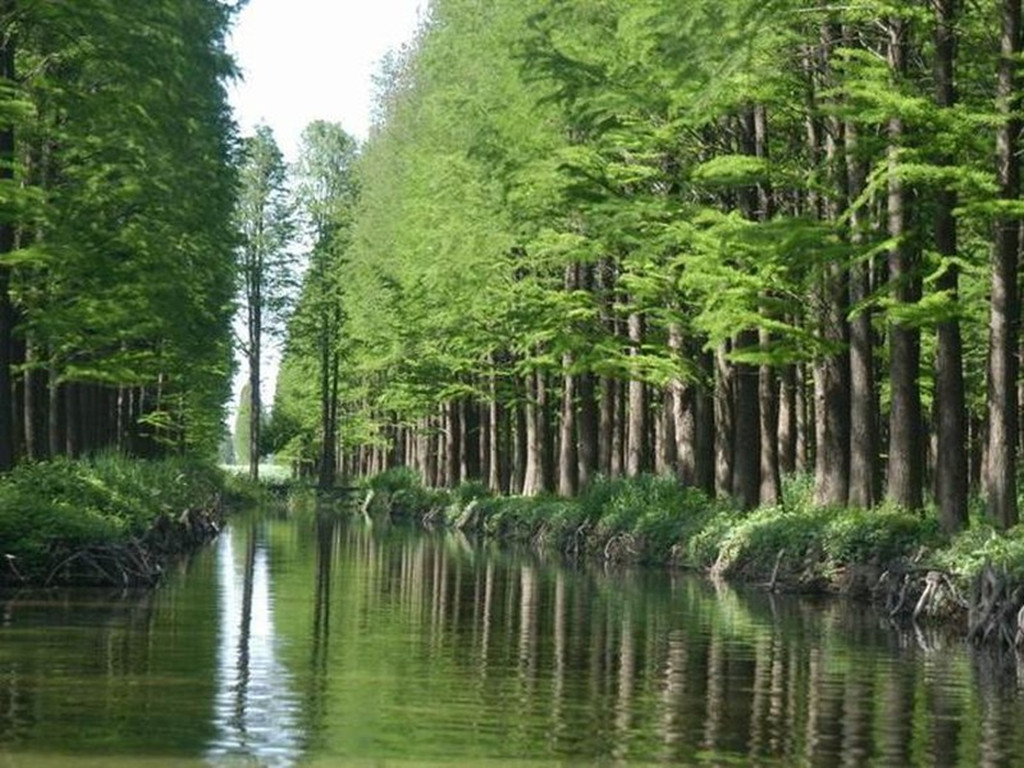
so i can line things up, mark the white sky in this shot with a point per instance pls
(305, 60)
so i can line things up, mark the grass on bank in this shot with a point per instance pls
(50, 510)
(655, 520)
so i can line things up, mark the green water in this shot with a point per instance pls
(305, 642)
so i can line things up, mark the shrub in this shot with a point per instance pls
(61, 506)
(876, 536)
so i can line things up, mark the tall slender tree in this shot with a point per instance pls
(1001, 462)
(266, 265)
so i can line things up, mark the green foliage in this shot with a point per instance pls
(125, 273)
(393, 480)
(52, 509)
(971, 551)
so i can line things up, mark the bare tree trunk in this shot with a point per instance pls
(29, 414)
(533, 480)
(905, 427)
(746, 487)
(618, 428)
(636, 428)
(520, 445)
(787, 420)
(724, 422)
(568, 454)
(495, 474)
(704, 425)
(453, 444)
(951, 450)
(607, 425)
(831, 371)
(1004, 320)
(546, 433)
(589, 429)
(771, 481)
(770, 492)
(53, 410)
(568, 460)
(679, 407)
(864, 438)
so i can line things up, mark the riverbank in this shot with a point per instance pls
(900, 560)
(106, 520)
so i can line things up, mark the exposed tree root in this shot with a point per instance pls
(138, 561)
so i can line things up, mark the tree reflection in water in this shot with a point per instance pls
(254, 707)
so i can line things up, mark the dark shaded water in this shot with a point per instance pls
(306, 642)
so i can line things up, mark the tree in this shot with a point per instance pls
(120, 274)
(1001, 464)
(7, 318)
(326, 193)
(265, 221)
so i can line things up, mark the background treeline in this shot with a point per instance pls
(727, 241)
(117, 237)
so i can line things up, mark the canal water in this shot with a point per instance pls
(297, 640)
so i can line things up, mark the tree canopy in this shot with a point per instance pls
(728, 241)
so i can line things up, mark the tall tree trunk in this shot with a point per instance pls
(483, 420)
(704, 425)
(747, 426)
(606, 425)
(469, 419)
(589, 429)
(453, 444)
(1001, 458)
(326, 474)
(804, 416)
(520, 444)
(746, 485)
(768, 412)
(906, 471)
(724, 422)
(568, 456)
(533, 480)
(30, 411)
(787, 420)
(831, 371)
(681, 411)
(771, 481)
(494, 465)
(546, 432)
(568, 460)
(53, 435)
(864, 437)
(636, 427)
(951, 452)
(667, 448)
(7, 45)
(619, 424)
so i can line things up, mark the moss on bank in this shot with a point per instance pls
(106, 520)
(900, 559)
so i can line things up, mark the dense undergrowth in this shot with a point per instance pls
(104, 520)
(655, 520)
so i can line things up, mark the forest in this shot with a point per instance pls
(117, 234)
(586, 238)
(726, 243)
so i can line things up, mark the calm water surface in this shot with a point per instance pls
(314, 642)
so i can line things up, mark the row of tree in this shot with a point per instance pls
(117, 236)
(730, 241)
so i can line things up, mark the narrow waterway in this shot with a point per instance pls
(294, 640)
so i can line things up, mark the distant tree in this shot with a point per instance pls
(326, 192)
(266, 266)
